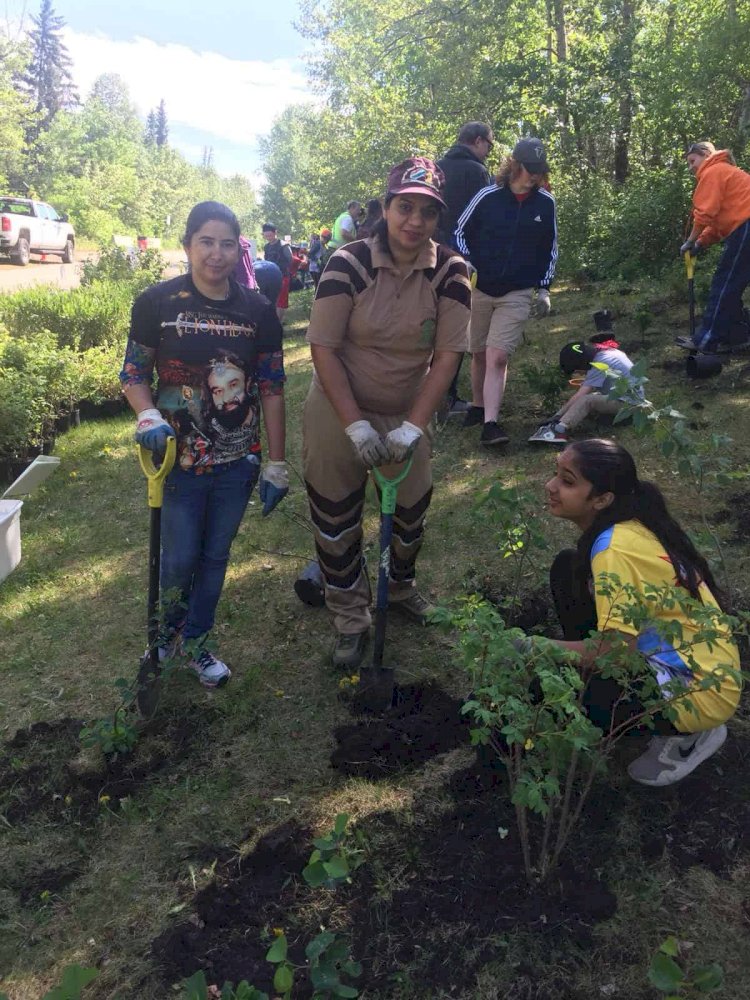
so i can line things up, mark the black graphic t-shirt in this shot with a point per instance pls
(214, 360)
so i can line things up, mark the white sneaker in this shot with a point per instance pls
(669, 759)
(212, 672)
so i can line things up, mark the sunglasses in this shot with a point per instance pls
(489, 142)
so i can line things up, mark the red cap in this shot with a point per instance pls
(417, 175)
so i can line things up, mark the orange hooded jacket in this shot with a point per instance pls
(721, 200)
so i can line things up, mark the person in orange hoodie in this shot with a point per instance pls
(721, 212)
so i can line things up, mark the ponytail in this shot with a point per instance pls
(611, 469)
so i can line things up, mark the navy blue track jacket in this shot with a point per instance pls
(511, 243)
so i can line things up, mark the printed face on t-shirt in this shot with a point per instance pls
(229, 402)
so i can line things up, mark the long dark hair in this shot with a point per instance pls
(374, 212)
(380, 229)
(610, 468)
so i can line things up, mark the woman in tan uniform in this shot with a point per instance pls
(387, 330)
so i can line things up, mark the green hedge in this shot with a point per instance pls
(84, 317)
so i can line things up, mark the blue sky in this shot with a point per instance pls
(225, 69)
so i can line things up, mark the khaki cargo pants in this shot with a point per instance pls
(336, 480)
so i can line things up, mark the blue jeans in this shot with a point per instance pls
(200, 517)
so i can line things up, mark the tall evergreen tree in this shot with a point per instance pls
(149, 133)
(49, 79)
(161, 130)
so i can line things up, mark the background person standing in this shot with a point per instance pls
(281, 255)
(345, 226)
(721, 212)
(465, 174)
(509, 233)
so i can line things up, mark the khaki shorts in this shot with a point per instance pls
(498, 321)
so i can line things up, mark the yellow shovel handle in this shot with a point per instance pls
(690, 265)
(155, 476)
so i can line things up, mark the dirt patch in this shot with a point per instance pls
(532, 611)
(433, 885)
(229, 929)
(705, 819)
(434, 893)
(424, 722)
(40, 775)
(736, 513)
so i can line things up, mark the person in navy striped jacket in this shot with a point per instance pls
(508, 233)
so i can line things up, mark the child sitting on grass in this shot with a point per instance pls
(592, 396)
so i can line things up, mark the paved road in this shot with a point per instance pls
(53, 272)
(49, 272)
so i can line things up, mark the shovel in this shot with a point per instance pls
(375, 691)
(690, 268)
(149, 672)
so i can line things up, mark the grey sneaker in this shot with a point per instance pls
(550, 434)
(669, 759)
(415, 607)
(212, 672)
(458, 408)
(349, 650)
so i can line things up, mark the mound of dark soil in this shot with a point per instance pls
(424, 722)
(40, 776)
(229, 930)
(432, 893)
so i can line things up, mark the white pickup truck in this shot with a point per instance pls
(28, 226)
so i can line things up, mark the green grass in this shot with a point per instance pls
(72, 620)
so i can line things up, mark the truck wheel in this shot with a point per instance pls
(21, 253)
(68, 254)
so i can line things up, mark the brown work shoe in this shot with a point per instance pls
(415, 607)
(349, 650)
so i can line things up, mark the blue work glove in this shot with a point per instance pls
(274, 485)
(692, 247)
(152, 431)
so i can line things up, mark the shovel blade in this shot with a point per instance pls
(149, 686)
(375, 690)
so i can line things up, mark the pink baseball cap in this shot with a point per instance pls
(417, 175)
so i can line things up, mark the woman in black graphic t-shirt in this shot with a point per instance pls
(216, 349)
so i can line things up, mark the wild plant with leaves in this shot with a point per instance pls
(529, 702)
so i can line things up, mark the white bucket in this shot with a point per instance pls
(10, 536)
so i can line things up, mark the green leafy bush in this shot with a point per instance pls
(135, 268)
(84, 317)
(38, 381)
(608, 232)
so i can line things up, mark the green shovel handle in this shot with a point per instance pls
(389, 487)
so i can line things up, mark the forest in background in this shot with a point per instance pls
(616, 89)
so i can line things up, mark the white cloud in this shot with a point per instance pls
(231, 99)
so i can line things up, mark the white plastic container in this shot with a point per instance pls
(10, 536)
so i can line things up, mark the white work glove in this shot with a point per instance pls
(274, 485)
(402, 441)
(370, 446)
(152, 431)
(542, 307)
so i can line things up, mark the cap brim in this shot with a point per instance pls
(420, 189)
(536, 168)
